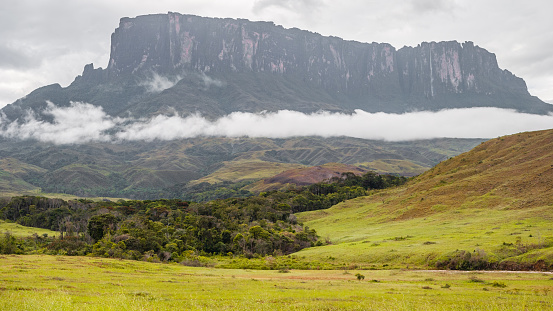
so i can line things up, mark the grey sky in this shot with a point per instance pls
(50, 41)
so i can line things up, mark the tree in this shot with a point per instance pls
(100, 225)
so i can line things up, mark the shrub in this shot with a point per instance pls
(8, 244)
(69, 245)
(498, 284)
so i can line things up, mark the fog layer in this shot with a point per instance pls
(83, 123)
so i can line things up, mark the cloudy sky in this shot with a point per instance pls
(50, 41)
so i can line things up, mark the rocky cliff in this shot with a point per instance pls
(262, 66)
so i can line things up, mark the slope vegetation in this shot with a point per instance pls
(304, 176)
(490, 207)
(150, 170)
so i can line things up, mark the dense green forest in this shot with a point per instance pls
(174, 229)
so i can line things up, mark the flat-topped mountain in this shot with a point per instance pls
(184, 63)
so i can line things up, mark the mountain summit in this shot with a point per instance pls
(184, 63)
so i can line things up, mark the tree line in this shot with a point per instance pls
(173, 229)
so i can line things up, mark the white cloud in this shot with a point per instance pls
(208, 81)
(157, 83)
(83, 123)
(77, 124)
(164, 128)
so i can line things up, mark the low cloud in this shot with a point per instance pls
(157, 83)
(83, 123)
(80, 123)
(208, 81)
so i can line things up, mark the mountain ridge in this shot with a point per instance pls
(149, 170)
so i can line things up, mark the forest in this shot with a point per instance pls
(176, 230)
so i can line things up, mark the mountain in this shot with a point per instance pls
(486, 208)
(150, 170)
(172, 63)
(184, 63)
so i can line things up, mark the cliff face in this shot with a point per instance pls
(365, 72)
(177, 42)
(262, 66)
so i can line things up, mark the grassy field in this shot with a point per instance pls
(18, 230)
(365, 236)
(43, 282)
(240, 170)
(494, 201)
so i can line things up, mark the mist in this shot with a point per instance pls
(157, 83)
(83, 123)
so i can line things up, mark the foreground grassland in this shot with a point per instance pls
(43, 282)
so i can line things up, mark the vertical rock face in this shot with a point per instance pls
(173, 42)
(434, 69)
(261, 66)
(374, 76)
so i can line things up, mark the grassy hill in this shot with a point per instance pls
(304, 176)
(147, 170)
(492, 205)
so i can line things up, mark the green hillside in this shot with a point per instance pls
(151, 170)
(491, 207)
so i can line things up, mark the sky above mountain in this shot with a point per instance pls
(45, 42)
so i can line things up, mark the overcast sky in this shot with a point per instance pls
(50, 41)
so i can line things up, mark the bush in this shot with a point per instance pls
(69, 245)
(463, 260)
(8, 244)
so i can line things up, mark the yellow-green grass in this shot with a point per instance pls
(22, 231)
(364, 235)
(63, 196)
(481, 201)
(41, 282)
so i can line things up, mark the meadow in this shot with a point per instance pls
(491, 206)
(20, 231)
(43, 282)
(361, 235)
